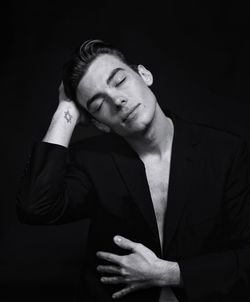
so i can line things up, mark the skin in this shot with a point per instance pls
(145, 129)
(125, 90)
(140, 269)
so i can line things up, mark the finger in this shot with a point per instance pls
(61, 88)
(124, 292)
(113, 280)
(109, 257)
(109, 269)
(125, 243)
(62, 94)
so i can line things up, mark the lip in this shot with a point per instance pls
(127, 115)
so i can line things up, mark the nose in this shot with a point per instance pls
(119, 102)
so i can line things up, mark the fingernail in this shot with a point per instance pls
(118, 239)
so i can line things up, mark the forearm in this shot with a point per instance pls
(51, 191)
(62, 125)
(40, 197)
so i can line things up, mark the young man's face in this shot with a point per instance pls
(117, 96)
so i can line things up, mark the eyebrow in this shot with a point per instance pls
(109, 79)
(113, 73)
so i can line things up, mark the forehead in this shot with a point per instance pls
(95, 78)
(103, 65)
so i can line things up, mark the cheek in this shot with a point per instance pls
(105, 115)
(141, 93)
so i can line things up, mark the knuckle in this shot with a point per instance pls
(127, 279)
(123, 272)
(108, 257)
(138, 246)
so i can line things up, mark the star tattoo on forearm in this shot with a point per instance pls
(67, 116)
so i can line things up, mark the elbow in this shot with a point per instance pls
(32, 211)
(27, 215)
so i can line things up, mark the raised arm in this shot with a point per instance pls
(64, 121)
(53, 189)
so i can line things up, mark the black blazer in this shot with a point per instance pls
(207, 221)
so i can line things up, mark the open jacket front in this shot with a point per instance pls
(207, 221)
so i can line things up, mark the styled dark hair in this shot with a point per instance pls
(76, 67)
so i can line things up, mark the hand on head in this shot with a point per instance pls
(83, 117)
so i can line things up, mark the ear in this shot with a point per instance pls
(101, 126)
(145, 74)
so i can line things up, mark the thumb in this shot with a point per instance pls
(125, 243)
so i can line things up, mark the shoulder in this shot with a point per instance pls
(213, 137)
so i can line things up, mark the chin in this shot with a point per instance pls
(145, 120)
(138, 125)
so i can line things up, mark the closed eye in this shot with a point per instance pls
(120, 83)
(99, 107)
(96, 106)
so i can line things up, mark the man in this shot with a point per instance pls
(168, 200)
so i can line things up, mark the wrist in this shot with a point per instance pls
(62, 125)
(168, 273)
(67, 111)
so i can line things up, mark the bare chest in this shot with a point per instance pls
(157, 173)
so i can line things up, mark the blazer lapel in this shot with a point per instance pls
(132, 171)
(182, 159)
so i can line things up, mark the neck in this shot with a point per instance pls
(156, 139)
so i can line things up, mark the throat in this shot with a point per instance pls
(157, 139)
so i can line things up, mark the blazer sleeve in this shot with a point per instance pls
(53, 189)
(220, 273)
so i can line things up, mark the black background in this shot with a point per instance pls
(198, 53)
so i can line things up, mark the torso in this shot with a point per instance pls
(157, 172)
